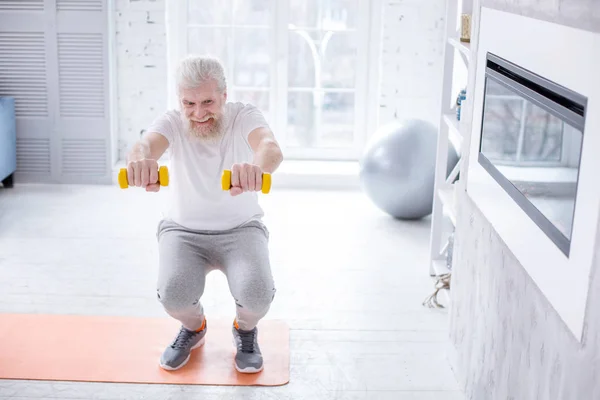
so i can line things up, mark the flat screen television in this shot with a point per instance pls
(531, 141)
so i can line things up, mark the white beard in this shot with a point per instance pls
(209, 134)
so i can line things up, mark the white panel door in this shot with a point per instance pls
(24, 75)
(54, 60)
(83, 120)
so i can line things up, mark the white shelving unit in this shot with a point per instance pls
(463, 47)
(457, 55)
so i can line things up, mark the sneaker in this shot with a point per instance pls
(179, 352)
(248, 358)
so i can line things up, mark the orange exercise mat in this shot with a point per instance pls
(127, 350)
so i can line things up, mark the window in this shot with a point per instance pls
(240, 34)
(305, 63)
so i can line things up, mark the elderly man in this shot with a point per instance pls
(206, 228)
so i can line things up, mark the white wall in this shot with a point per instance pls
(581, 14)
(411, 62)
(507, 340)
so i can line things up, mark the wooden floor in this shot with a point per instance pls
(350, 284)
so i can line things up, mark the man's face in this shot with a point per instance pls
(202, 109)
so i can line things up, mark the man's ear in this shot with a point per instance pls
(225, 95)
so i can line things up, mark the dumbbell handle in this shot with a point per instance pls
(163, 177)
(226, 181)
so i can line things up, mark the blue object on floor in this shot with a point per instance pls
(461, 97)
(8, 140)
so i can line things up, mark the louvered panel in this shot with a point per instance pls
(81, 75)
(21, 5)
(84, 157)
(79, 5)
(23, 72)
(33, 156)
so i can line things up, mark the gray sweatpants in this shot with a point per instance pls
(187, 256)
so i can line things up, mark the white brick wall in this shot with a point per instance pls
(411, 62)
(141, 66)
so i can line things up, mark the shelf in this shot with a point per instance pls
(446, 194)
(439, 267)
(454, 130)
(463, 47)
(453, 135)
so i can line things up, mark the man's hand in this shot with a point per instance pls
(142, 167)
(245, 178)
(143, 173)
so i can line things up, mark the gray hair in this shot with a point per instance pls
(194, 70)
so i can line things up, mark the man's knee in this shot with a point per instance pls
(176, 300)
(256, 300)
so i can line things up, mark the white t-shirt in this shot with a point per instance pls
(195, 168)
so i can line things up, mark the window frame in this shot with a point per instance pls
(366, 90)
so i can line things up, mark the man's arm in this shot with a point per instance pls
(267, 153)
(142, 161)
(151, 146)
(267, 158)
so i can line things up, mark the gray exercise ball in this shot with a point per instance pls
(397, 168)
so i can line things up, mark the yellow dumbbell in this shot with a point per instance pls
(226, 181)
(163, 177)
